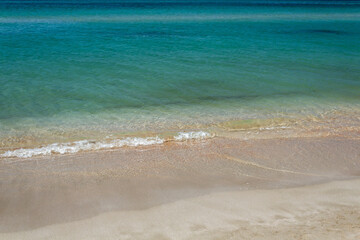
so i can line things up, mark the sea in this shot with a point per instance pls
(78, 75)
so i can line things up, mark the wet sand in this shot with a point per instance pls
(222, 188)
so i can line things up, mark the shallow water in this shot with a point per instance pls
(72, 71)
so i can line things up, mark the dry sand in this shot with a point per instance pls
(327, 211)
(223, 188)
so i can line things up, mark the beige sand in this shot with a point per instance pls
(327, 211)
(223, 188)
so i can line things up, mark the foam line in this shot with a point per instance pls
(86, 145)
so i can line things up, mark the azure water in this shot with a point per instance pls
(81, 70)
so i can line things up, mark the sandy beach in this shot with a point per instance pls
(220, 188)
(179, 119)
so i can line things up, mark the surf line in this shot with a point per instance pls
(268, 168)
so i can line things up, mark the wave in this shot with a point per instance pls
(87, 145)
(178, 17)
(192, 135)
(170, 3)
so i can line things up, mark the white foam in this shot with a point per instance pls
(192, 135)
(272, 128)
(63, 148)
(85, 145)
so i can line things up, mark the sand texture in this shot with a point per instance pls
(222, 188)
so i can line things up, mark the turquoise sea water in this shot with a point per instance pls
(73, 70)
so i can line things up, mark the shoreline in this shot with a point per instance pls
(31, 141)
(245, 129)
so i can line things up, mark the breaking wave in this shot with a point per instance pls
(86, 145)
